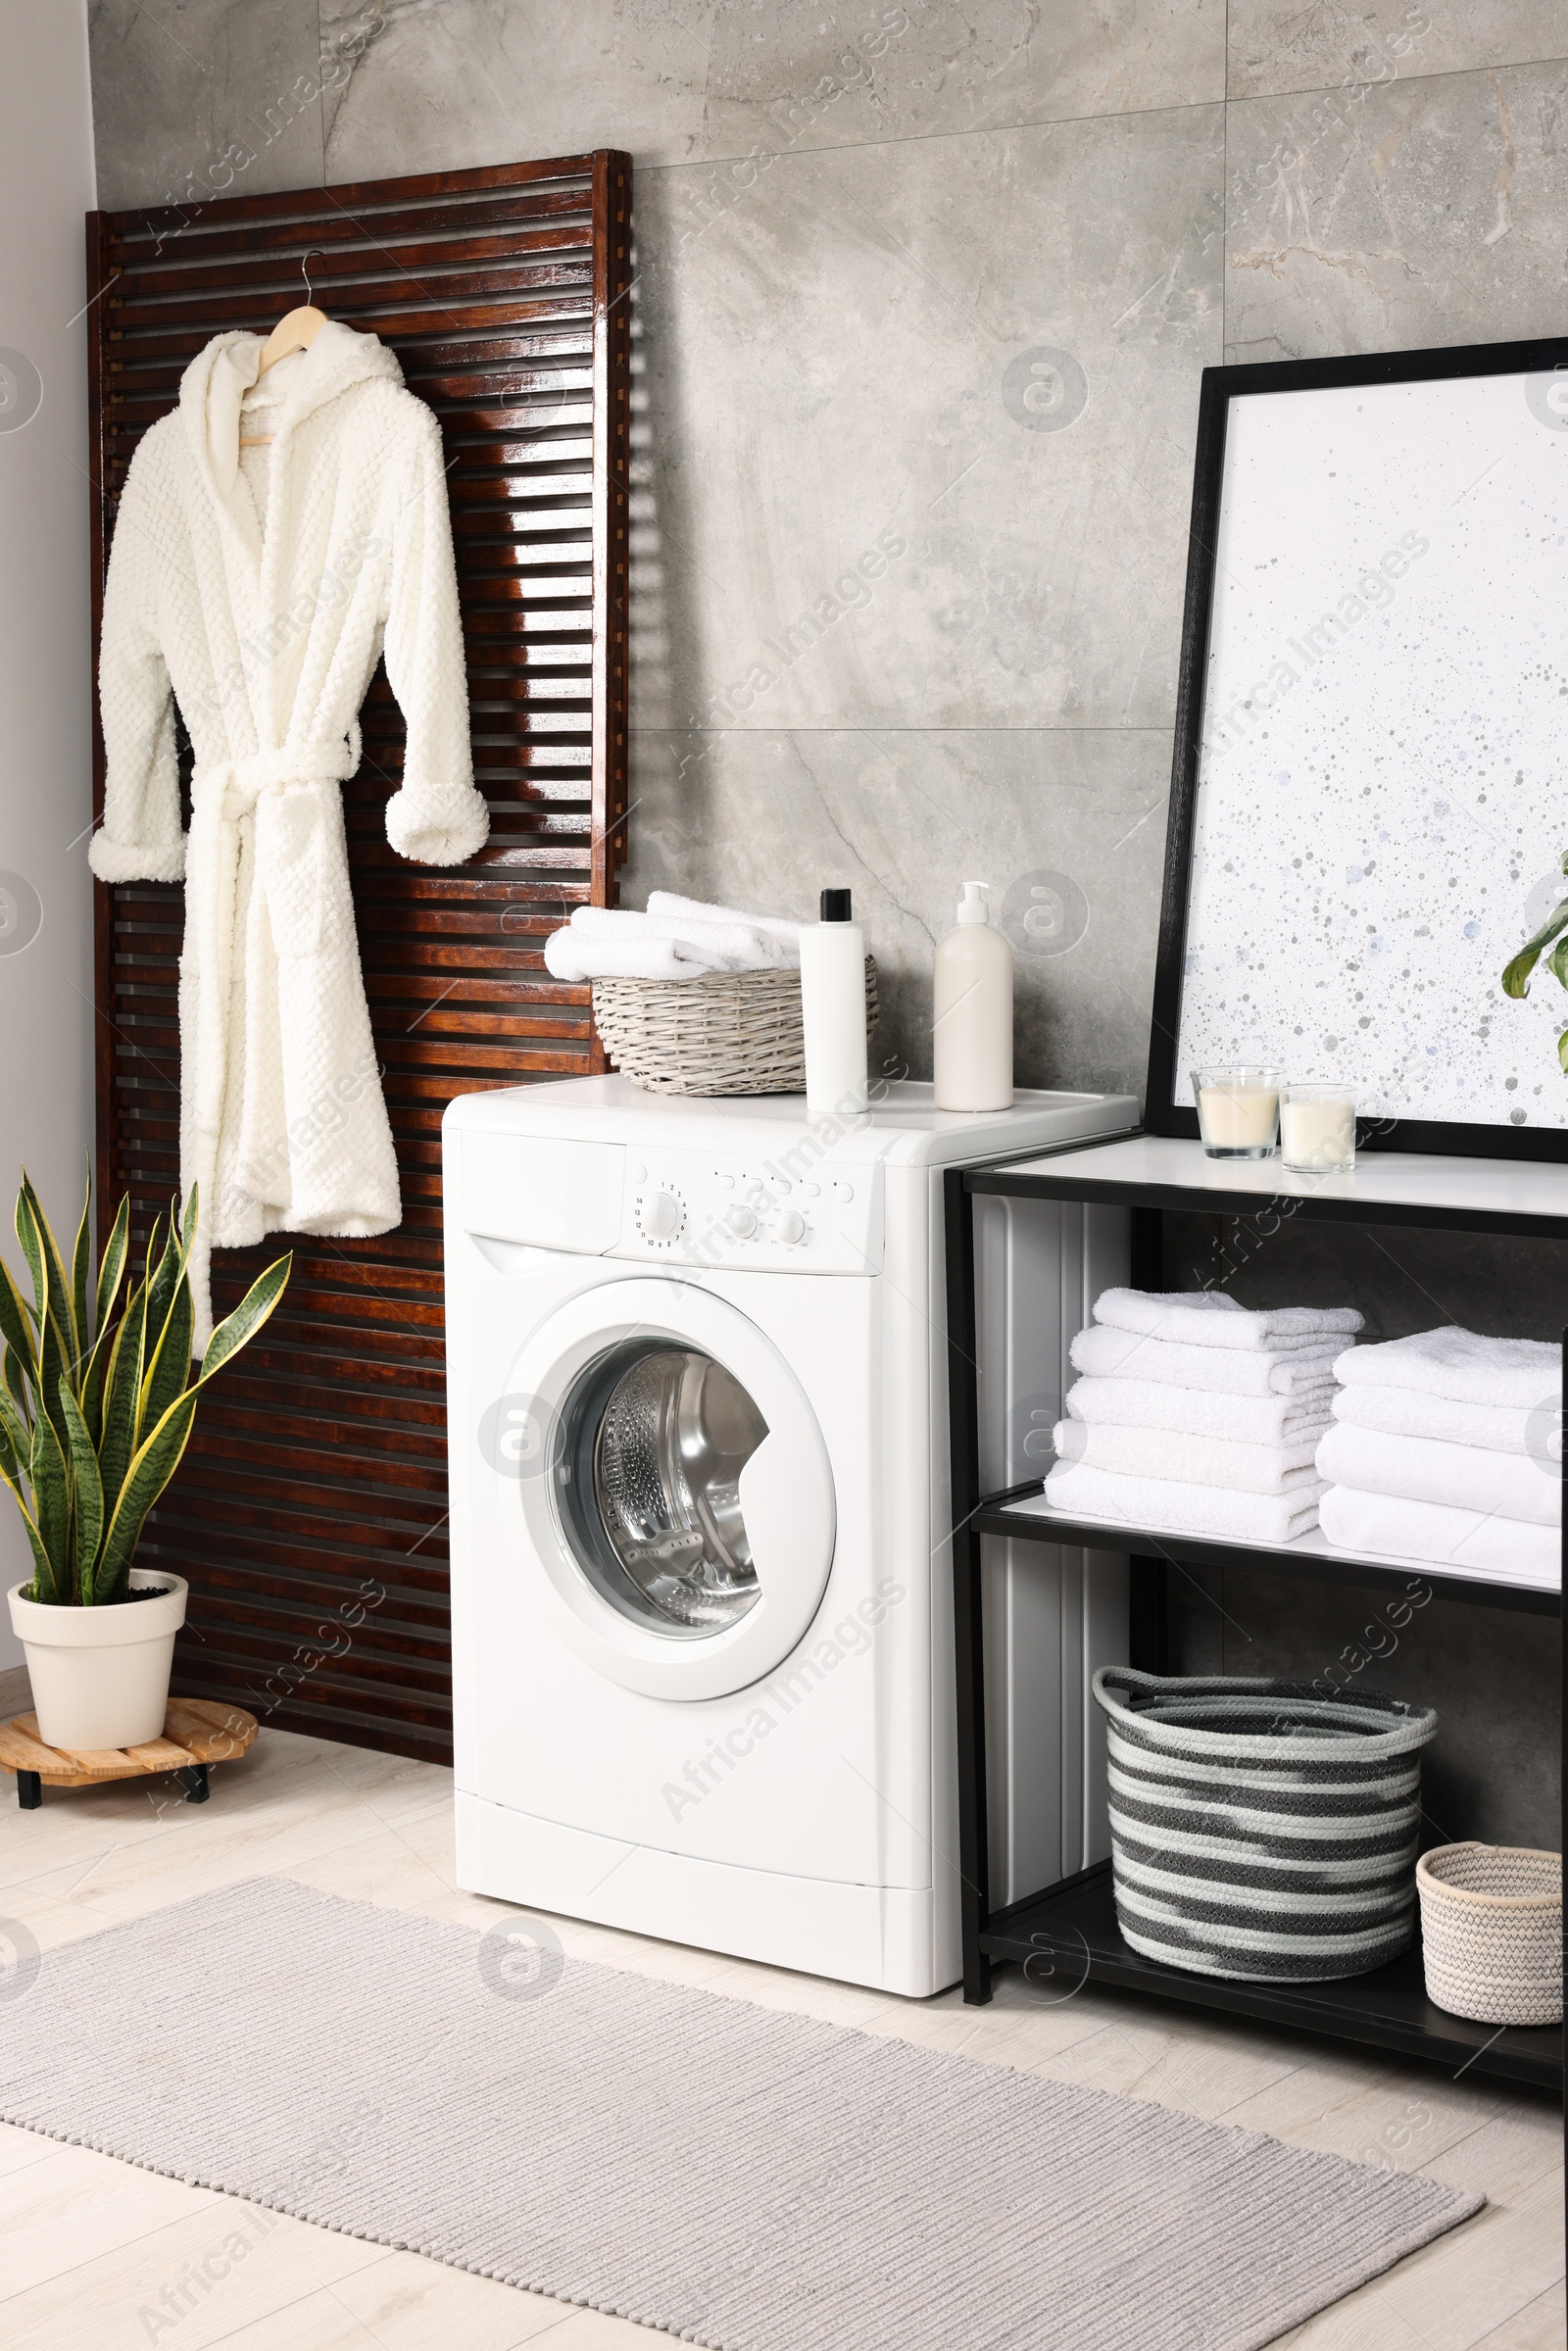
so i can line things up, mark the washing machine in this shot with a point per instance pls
(701, 1588)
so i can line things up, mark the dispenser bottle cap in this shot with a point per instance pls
(972, 906)
(835, 905)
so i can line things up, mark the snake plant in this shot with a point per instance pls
(96, 1396)
(1516, 975)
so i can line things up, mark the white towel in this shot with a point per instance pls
(1407, 1412)
(604, 942)
(1464, 1477)
(1208, 1318)
(1200, 1412)
(1156, 1502)
(1462, 1366)
(1382, 1523)
(695, 910)
(1106, 1353)
(1189, 1460)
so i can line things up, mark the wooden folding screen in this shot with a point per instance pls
(310, 1513)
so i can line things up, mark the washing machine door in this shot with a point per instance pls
(676, 1494)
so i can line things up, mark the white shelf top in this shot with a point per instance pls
(1306, 1547)
(1383, 1179)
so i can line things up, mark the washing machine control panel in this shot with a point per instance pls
(709, 1210)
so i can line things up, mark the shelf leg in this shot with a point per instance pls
(29, 1790)
(197, 1790)
(968, 1628)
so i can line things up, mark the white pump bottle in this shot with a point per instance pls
(972, 1013)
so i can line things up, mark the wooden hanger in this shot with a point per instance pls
(296, 330)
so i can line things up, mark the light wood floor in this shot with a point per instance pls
(97, 2255)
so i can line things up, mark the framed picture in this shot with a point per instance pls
(1369, 804)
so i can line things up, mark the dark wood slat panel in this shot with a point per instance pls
(363, 200)
(319, 1464)
(332, 268)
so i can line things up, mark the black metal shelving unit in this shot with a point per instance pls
(1067, 1932)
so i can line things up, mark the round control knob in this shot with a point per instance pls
(659, 1216)
(789, 1225)
(741, 1221)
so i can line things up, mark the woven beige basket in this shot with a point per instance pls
(727, 1032)
(1492, 1925)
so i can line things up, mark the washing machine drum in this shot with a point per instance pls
(653, 1444)
(685, 1518)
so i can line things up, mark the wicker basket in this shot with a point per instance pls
(727, 1032)
(1492, 1924)
(1259, 1830)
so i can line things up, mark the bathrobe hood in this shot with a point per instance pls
(215, 383)
(266, 635)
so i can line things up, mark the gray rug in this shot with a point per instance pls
(748, 2181)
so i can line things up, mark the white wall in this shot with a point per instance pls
(46, 185)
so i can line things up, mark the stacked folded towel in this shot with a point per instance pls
(1196, 1414)
(1447, 1447)
(676, 939)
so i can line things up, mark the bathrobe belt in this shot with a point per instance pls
(281, 795)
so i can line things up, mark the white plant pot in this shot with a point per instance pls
(100, 1676)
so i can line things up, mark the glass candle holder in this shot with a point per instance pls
(1238, 1111)
(1317, 1128)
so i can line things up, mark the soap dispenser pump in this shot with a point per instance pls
(972, 1013)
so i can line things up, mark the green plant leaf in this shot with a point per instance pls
(112, 1267)
(109, 1275)
(153, 1464)
(44, 1587)
(51, 1500)
(168, 1372)
(163, 1279)
(1516, 975)
(17, 1421)
(89, 1491)
(51, 1369)
(43, 1256)
(81, 1261)
(31, 1248)
(92, 1386)
(1563, 1052)
(238, 1329)
(17, 1318)
(117, 1442)
(13, 1379)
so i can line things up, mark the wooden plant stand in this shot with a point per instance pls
(197, 1732)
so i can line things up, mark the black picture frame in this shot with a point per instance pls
(1220, 387)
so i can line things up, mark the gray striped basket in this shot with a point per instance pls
(1259, 1830)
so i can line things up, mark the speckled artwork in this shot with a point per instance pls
(1382, 802)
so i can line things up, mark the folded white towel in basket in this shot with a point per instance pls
(1201, 1412)
(1208, 1318)
(1189, 1460)
(675, 908)
(1410, 1412)
(1385, 1525)
(1156, 1502)
(1464, 1477)
(1462, 1366)
(613, 943)
(1106, 1353)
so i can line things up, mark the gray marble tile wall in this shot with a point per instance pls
(932, 285)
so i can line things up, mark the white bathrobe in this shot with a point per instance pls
(268, 634)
